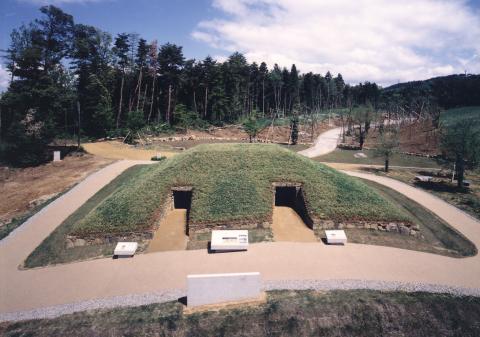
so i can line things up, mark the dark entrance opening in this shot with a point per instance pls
(285, 196)
(182, 199)
(292, 196)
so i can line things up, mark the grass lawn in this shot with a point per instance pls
(361, 313)
(347, 156)
(233, 182)
(467, 199)
(53, 249)
(436, 236)
(296, 148)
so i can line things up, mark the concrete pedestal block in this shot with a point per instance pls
(336, 237)
(206, 289)
(229, 240)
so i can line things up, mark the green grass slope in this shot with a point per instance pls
(306, 313)
(233, 182)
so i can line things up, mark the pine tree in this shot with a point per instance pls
(294, 130)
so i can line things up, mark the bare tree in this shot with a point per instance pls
(388, 145)
(461, 144)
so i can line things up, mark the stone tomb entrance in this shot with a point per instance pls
(182, 198)
(172, 232)
(291, 221)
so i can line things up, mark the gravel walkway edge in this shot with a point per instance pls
(175, 294)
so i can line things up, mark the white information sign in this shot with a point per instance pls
(229, 240)
(125, 249)
(336, 236)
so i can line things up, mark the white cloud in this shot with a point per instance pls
(4, 78)
(376, 40)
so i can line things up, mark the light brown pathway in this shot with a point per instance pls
(119, 150)
(288, 226)
(170, 234)
(103, 278)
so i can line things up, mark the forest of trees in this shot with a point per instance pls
(60, 68)
(68, 77)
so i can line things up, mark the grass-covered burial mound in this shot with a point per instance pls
(233, 183)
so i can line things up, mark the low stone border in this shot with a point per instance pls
(175, 294)
(404, 228)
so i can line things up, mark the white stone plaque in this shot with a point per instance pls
(206, 289)
(56, 156)
(229, 240)
(125, 249)
(336, 236)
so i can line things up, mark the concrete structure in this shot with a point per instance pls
(56, 156)
(226, 240)
(206, 289)
(125, 249)
(336, 236)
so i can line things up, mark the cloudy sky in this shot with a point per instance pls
(385, 41)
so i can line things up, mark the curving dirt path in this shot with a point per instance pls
(22, 290)
(118, 150)
(325, 143)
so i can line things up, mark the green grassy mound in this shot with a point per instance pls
(233, 182)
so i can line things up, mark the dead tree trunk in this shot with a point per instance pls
(206, 102)
(121, 100)
(169, 102)
(139, 88)
(151, 100)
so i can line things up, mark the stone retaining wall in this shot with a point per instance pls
(77, 241)
(404, 228)
(200, 228)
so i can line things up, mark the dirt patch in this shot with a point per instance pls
(119, 150)
(288, 226)
(171, 234)
(416, 137)
(24, 188)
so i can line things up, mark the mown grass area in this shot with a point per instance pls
(359, 313)
(467, 199)
(435, 236)
(233, 182)
(296, 147)
(398, 159)
(53, 249)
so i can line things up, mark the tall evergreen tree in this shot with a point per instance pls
(121, 52)
(171, 62)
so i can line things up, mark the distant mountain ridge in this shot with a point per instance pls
(448, 91)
